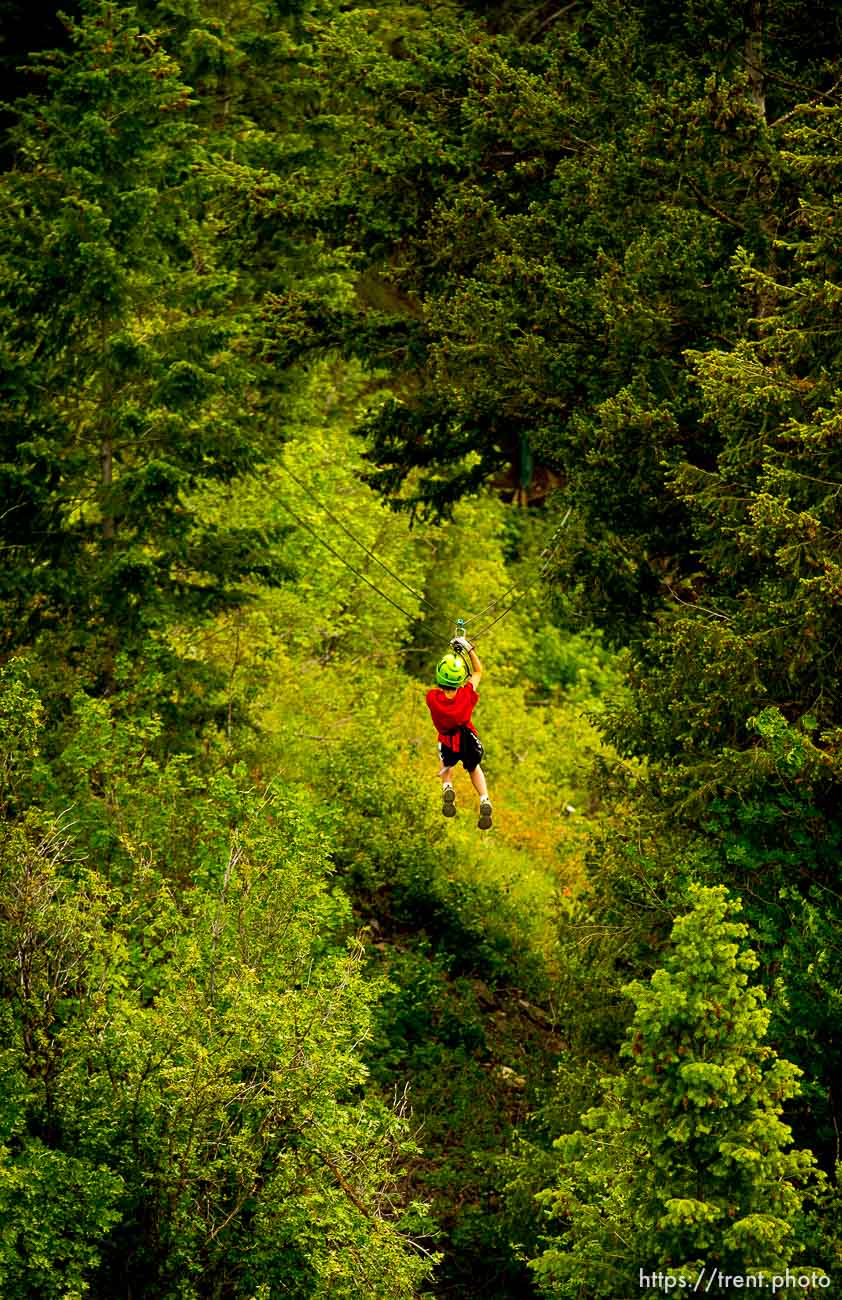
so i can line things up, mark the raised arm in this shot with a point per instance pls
(463, 645)
(477, 667)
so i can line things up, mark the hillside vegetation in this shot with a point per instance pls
(321, 327)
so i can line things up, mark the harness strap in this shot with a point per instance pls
(454, 739)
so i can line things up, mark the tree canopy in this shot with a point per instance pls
(323, 326)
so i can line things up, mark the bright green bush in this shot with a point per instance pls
(181, 1044)
(687, 1161)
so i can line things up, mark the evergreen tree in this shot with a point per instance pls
(543, 208)
(686, 1163)
(735, 698)
(127, 376)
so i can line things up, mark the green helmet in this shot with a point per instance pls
(451, 671)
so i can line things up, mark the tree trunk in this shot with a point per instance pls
(754, 56)
(107, 462)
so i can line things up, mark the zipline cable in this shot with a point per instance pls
(551, 551)
(475, 636)
(339, 524)
(473, 617)
(303, 524)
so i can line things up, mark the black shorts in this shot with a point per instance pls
(469, 753)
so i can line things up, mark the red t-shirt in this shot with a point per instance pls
(449, 713)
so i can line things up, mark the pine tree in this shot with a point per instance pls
(735, 693)
(126, 368)
(543, 209)
(687, 1161)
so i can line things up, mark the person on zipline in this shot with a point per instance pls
(451, 704)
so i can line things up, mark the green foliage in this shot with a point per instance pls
(181, 1048)
(21, 723)
(56, 1211)
(472, 1056)
(578, 665)
(544, 209)
(686, 1162)
(734, 694)
(127, 373)
(592, 249)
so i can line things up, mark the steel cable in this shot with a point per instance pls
(302, 523)
(339, 524)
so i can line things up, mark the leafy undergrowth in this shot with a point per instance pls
(462, 926)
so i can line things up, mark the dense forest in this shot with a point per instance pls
(322, 327)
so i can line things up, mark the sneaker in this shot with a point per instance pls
(484, 822)
(448, 801)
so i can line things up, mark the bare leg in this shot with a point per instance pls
(448, 794)
(478, 780)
